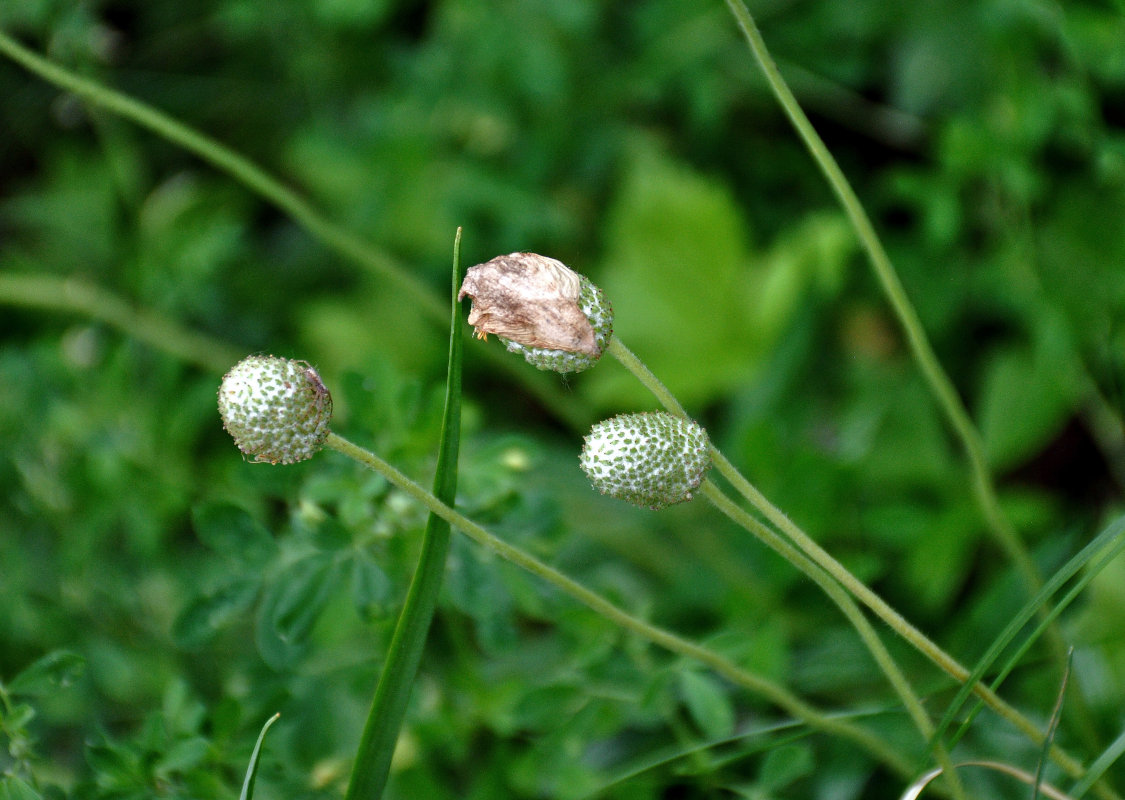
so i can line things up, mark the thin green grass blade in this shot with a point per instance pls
(1099, 767)
(252, 770)
(1052, 728)
(380, 734)
(1106, 539)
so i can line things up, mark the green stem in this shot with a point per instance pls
(844, 602)
(376, 747)
(332, 236)
(840, 573)
(226, 160)
(940, 385)
(72, 294)
(774, 693)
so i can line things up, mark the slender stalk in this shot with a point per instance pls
(840, 573)
(940, 385)
(240, 168)
(380, 733)
(844, 602)
(772, 692)
(72, 294)
(332, 236)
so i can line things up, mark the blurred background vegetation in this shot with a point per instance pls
(182, 595)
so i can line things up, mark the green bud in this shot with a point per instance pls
(276, 409)
(651, 460)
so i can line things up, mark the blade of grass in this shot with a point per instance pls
(373, 758)
(255, 757)
(1052, 728)
(1110, 542)
(1099, 767)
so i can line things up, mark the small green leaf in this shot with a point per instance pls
(291, 606)
(207, 615)
(13, 788)
(784, 765)
(370, 585)
(229, 530)
(708, 704)
(53, 671)
(182, 756)
(1028, 395)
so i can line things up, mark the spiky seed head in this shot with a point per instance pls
(276, 409)
(540, 308)
(651, 460)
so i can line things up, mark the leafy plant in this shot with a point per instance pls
(943, 433)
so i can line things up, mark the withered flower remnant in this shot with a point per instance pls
(540, 308)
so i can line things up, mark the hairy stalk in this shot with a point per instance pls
(940, 385)
(772, 692)
(333, 237)
(844, 602)
(840, 573)
(939, 382)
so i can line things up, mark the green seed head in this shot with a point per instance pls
(651, 460)
(540, 308)
(276, 409)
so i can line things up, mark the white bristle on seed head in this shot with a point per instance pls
(277, 410)
(651, 460)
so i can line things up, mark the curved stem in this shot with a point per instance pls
(240, 168)
(844, 602)
(332, 236)
(840, 573)
(940, 385)
(774, 693)
(72, 294)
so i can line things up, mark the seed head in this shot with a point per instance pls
(651, 460)
(540, 308)
(276, 409)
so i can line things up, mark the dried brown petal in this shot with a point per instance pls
(530, 299)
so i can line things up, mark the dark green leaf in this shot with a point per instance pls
(207, 615)
(14, 788)
(230, 531)
(46, 676)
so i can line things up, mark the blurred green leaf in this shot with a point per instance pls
(14, 788)
(708, 704)
(676, 267)
(232, 532)
(370, 585)
(1026, 398)
(785, 765)
(54, 671)
(208, 614)
(291, 605)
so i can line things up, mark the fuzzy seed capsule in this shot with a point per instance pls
(276, 409)
(651, 460)
(540, 308)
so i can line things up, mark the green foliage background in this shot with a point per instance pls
(182, 595)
